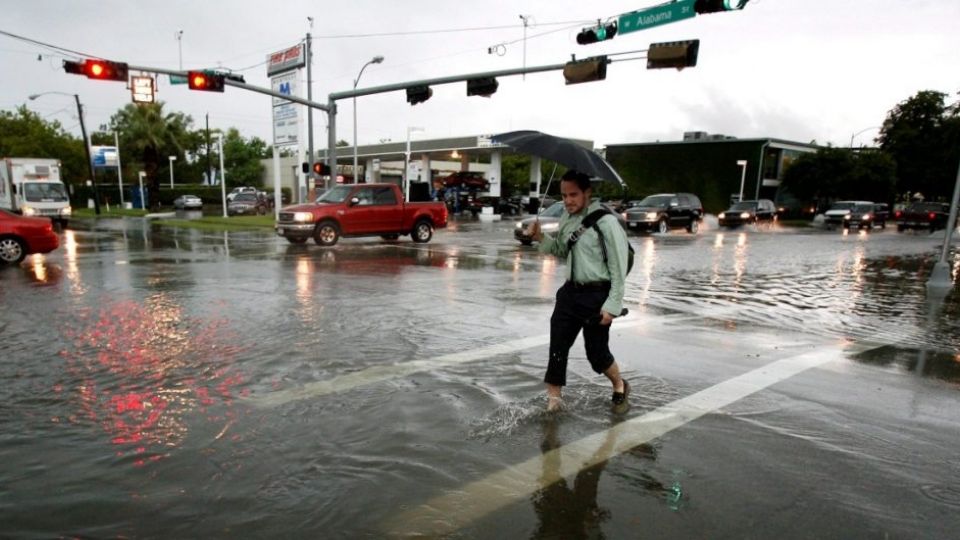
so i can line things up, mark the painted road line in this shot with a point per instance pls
(454, 510)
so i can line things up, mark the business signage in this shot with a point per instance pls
(142, 89)
(104, 156)
(286, 114)
(286, 60)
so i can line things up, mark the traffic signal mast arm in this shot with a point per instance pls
(650, 17)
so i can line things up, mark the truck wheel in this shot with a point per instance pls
(663, 227)
(422, 232)
(296, 239)
(12, 250)
(901, 228)
(326, 234)
(694, 226)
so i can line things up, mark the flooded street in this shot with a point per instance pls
(174, 383)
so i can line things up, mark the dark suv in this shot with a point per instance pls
(666, 211)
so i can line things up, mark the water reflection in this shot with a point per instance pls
(565, 511)
(140, 369)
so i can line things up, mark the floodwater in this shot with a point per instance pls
(174, 383)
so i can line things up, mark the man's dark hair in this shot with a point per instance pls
(572, 175)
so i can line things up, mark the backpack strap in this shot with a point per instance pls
(589, 221)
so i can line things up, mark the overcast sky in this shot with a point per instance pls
(800, 70)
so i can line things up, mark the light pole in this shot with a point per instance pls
(86, 146)
(864, 130)
(172, 159)
(116, 142)
(406, 163)
(143, 205)
(374, 60)
(742, 163)
(180, 47)
(223, 180)
(940, 280)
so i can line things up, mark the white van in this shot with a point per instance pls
(33, 187)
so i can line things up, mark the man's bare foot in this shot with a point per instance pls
(554, 403)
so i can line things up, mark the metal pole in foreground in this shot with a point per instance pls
(116, 142)
(223, 179)
(940, 278)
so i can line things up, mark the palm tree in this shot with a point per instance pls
(147, 131)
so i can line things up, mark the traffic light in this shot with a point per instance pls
(601, 32)
(715, 6)
(321, 169)
(205, 81)
(674, 54)
(104, 70)
(486, 86)
(590, 69)
(418, 94)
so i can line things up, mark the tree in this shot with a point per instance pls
(833, 173)
(241, 159)
(922, 134)
(23, 133)
(152, 135)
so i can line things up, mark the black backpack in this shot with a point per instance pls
(591, 221)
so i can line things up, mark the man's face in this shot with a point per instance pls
(574, 200)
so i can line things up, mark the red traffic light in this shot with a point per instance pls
(205, 81)
(320, 169)
(103, 70)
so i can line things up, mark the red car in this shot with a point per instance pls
(21, 236)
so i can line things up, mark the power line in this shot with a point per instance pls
(55, 48)
(441, 30)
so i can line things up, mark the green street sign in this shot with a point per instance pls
(177, 79)
(655, 16)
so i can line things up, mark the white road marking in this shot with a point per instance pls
(451, 511)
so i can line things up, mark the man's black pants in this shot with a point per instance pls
(578, 308)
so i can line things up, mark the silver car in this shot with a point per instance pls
(550, 222)
(188, 202)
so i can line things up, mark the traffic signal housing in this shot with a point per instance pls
(205, 81)
(321, 169)
(587, 70)
(103, 70)
(673, 54)
(601, 32)
(485, 86)
(418, 94)
(716, 6)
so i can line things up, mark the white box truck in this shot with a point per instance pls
(32, 187)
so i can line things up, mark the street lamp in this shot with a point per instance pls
(742, 163)
(172, 159)
(864, 130)
(86, 145)
(406, 163)
(374, 60)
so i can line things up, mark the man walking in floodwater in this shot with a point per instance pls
(593, 293)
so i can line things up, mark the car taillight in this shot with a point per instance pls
(897, 214)
(932, 216)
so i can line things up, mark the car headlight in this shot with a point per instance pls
(651, 215)
(866, 217)
(519, 224)
(304, 217)
(745, 215)
(549, 227)
(29, 211)
(66, 211)
(846, 216)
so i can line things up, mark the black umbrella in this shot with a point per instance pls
(563, 151)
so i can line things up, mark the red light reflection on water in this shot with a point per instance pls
(141, 369)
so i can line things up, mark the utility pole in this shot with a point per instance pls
(86, 146)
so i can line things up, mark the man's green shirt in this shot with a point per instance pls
(589, 265)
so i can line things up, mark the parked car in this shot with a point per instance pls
(21, 236)
(665, 211)
(188, 202)
(923, 215)
(238, 190)
(247, 204)
(837, 214)
(549, 222)
(747, 213)
(466, 180)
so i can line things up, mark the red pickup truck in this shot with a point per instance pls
(361, 210)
